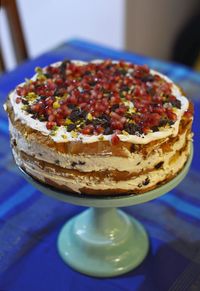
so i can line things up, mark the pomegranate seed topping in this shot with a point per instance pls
(96, 93)
(114, 115)
(35, 107)
(60, 122)
(159, 110)
(171, 115)
(87, 130)
(50, 125)
(72, 100)
(51, 117)
(115, 139)
(120, 110)
(188, 114)
(18, 100)
(99, 129)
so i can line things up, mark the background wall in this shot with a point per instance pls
(144, 26)
(48, 23)
(152, 25)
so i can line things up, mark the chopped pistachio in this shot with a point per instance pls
(40, 74)
(131, 110)
(24, 107)
(89, 116)
(28, 81)
(53, 132)
(64, 136)
(68, 121)
(74, 134)
(101, 138)
(55, 127)
(125, 132)
(56, 105)
(38, 70)
(31, 96)
(41, 77)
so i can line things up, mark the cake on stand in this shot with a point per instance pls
(103, 241)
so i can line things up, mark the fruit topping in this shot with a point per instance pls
(99, 98)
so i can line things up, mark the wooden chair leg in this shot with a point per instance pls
(2, 64)
(15, 29)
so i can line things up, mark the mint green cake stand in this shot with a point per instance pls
(103, 241)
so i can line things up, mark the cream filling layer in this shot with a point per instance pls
(76, 183)
(85, 163)
(26, 118)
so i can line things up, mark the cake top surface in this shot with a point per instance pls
(100, 100)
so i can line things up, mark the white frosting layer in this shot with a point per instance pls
(85, 163)
(26, 118)
(76, 183)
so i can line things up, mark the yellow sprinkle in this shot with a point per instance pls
(89, 116)
(68, 121)
(74, 134)
(56, 105)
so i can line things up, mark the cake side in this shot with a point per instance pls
(139, 172)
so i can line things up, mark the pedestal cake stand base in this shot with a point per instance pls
(103, 242)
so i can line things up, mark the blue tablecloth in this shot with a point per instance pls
(30, 221)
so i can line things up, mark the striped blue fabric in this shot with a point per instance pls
(30, 221)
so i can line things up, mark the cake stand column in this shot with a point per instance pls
(103, 242)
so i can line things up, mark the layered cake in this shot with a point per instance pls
(101, 127)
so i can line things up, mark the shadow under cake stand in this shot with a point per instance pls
(103, 241)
